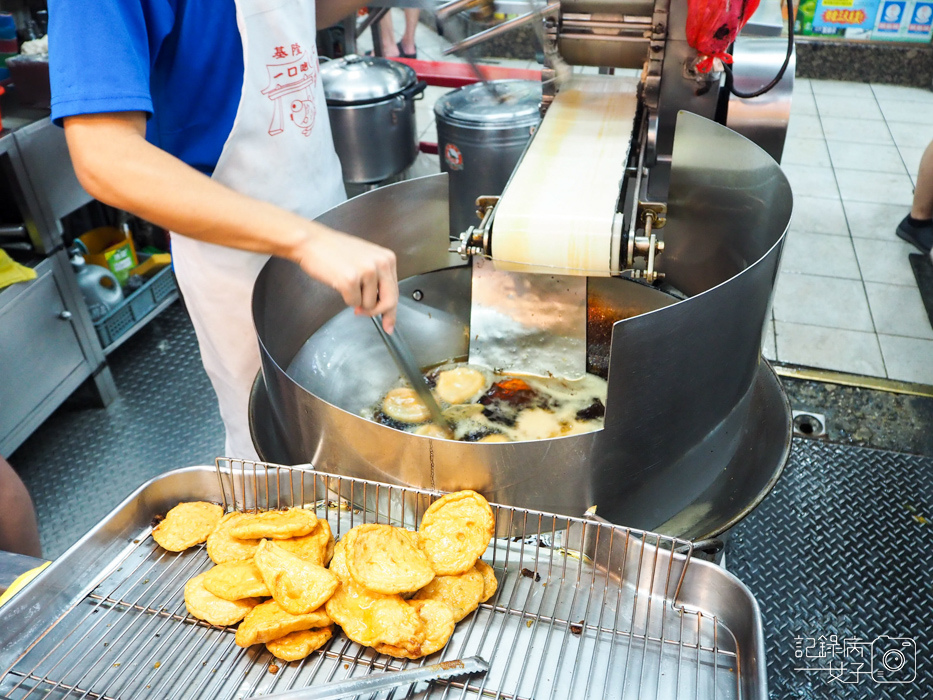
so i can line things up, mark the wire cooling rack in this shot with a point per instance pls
(584, 609)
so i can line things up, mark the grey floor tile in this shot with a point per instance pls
(911, 135)
(768, 345)
(803, 102)
(902, 92)
(801, 151)
(811, 180)
(847, 106)
(855, 129)
(898, 310)
(830, 302)
(872, 157)
(819, 215)
(906, 111)
(819, 254)
(884, 188)
(885, 261)
(829, 348)
(805, 126)
(908, 359)
(874, 219)
(911, 156)
(841, 87)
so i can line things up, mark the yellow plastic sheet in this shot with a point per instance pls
(12, 272)
(21, 582)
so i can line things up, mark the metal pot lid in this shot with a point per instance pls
(518, 101)
(359, 79)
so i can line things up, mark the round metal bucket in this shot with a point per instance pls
(480, 138)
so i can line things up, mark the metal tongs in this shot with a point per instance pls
(405, 361)
(377, 682)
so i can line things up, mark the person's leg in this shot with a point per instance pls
(387, 32)
(407, 44)
(19, 531)
(917, 227)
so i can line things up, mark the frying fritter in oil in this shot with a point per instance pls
(462, 592)
(268, 621)
(297, 585)
(274, 524)
(439, 624)
(223, 547)
(460, 384)
(206, 606)
(316, 547)
(186, 525)
(297, 645)
(387, 560)
(236, 580)
(490, 584)
(403, 405)
(455, 532)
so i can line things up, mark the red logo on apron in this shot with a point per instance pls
(291, 88)
(453, 157)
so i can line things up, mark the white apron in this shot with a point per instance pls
(280, 150)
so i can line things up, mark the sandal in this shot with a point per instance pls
(402, 54)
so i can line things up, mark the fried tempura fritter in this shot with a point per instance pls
(186, 525)
(462, 592)
(490, 583)
(297, 585)
(268, 621)
(274, 524)
(455, 532)
(387, 560)
(317, 546)
(297, 645)
(439, 625)
(206, 606)
(223, 547)
(403, 405)
(370, 618)
(460, 384)
(236, 580)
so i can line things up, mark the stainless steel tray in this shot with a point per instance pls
(584, 608)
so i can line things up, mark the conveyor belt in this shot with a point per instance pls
(840, 547)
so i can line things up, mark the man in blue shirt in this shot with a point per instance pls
(207, 117)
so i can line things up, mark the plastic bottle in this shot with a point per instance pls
(9, 46)
(99, 286)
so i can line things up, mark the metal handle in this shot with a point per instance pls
(413, 91)
(64, 315)
(405, 361)
(377, 682)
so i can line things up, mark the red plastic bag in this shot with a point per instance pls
(712, 26)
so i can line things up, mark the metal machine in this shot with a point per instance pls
(697, 428)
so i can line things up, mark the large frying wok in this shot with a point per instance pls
(697, 427)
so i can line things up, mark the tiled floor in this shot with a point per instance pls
(846, 299)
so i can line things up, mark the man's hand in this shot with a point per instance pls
(363, 273)
(116, 165)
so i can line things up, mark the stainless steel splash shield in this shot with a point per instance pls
(697, 427)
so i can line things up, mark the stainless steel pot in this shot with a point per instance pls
(481, 137)
(697, 427)
(370, 102)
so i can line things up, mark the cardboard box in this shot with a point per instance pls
(111, 248)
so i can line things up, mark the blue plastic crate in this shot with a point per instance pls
(135, 307)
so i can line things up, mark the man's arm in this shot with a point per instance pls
(116, 165)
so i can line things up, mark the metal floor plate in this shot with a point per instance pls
(843, 546)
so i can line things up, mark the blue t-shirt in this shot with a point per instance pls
(180, 61)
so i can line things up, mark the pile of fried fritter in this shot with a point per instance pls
(282, 577)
